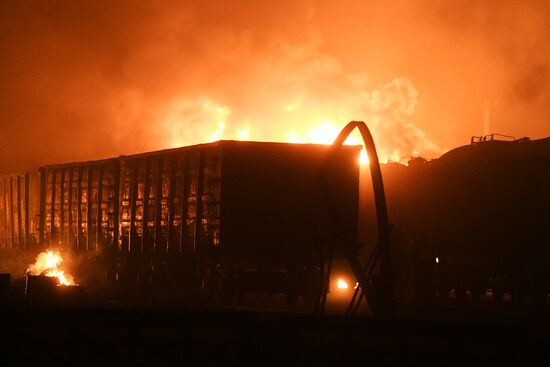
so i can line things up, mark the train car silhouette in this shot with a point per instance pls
(474, 221)
(212, 220)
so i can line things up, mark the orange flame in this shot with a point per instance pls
(325, 132)
(388, 110)
(48, 263)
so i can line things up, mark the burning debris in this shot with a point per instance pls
(48, 263)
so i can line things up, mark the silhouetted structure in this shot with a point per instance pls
(210, 220)
(476, 219)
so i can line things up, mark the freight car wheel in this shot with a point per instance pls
(498, 295)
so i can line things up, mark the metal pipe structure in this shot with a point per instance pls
(377, 288)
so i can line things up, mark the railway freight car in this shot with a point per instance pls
(474, 221)
(215, 220)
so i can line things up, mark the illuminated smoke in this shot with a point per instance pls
(388, 110)
(87, 80)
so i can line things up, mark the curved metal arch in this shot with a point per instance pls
(377, 290)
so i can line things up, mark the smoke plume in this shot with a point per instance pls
(92, 79)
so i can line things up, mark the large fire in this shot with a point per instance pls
(388, 110)
(325, 133)
(48, 263)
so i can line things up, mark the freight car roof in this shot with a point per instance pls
(220, 143)
(224, 143)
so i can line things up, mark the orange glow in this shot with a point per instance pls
(387, 109)
(169, 76)
(48, 263)
(342, 284)
(325, 132)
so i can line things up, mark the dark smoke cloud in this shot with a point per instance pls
(88, 79)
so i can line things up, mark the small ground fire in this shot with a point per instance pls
(48, 263)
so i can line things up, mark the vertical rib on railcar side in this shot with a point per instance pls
(171, 197)
(184, 215)
(88, 228)
(12, 224)
(158, 203)
(116, 204)
(19, 201)
(27, 211)
(3, 214)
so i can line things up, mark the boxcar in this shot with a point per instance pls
(247, 212)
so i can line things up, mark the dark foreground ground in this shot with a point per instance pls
(245, 337)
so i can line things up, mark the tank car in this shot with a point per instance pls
(474, 222)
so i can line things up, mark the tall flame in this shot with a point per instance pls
(48, 263)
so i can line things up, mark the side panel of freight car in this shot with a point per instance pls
(18, 214)
(272, 210)
(145, 203)
(169, 201)
(80, 205)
